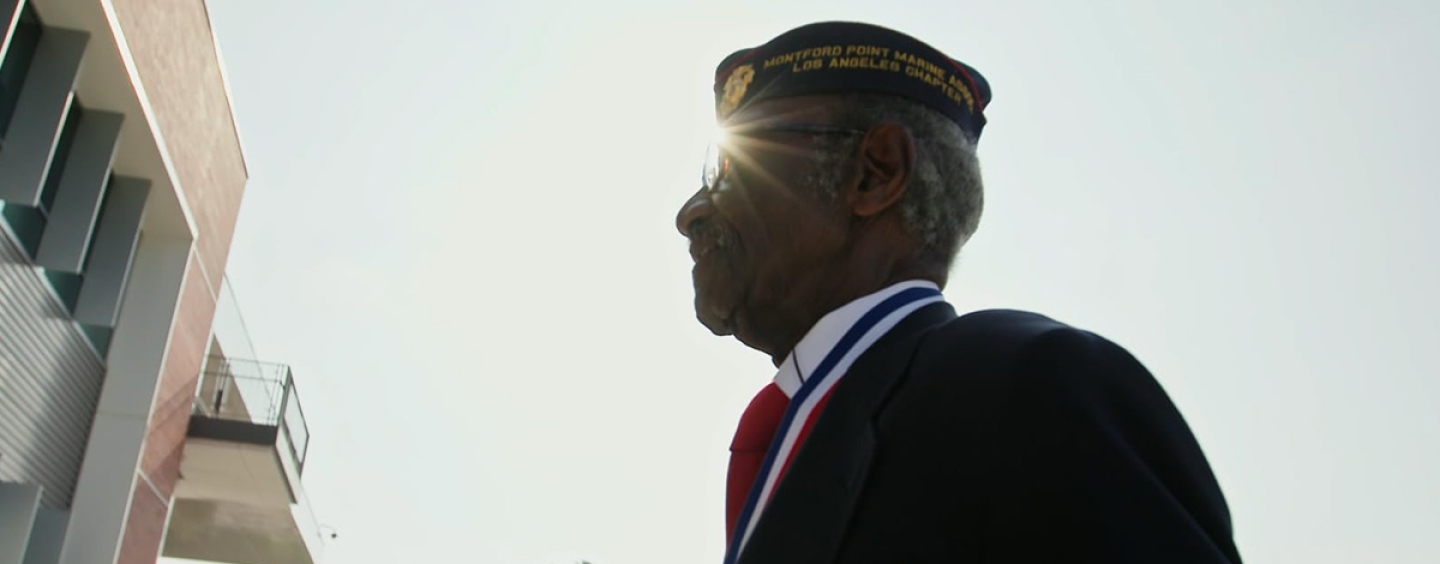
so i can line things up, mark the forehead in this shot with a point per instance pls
(817, 109)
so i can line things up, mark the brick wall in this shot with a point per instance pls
(174, 51)
(173, 48)
(145, 527)
(176, 393)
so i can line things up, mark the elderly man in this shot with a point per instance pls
(895, 430)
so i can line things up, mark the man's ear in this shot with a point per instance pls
(887, 160)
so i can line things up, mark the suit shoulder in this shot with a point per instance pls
(1006, 323)
(994, 333)
(1002, 341)
(1021, 359)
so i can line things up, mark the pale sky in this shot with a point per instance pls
(459, 230)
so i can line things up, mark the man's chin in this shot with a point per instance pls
(718, 325)
(719, 322)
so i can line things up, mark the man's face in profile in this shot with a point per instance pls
(765, 219)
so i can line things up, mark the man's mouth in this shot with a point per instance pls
(706, 239)
(698, 252)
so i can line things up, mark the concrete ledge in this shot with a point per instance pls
(219, 531)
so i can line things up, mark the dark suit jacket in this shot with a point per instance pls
(999, 437)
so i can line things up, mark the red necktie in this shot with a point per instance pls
(747, 451)
(752, 441)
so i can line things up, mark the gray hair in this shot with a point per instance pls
(941, 208)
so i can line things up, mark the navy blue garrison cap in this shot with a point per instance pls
(841, 57)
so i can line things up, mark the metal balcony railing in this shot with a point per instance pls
(260, 393)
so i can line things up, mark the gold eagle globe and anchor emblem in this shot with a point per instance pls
(735, 86)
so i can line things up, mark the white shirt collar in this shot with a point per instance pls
(802, 361)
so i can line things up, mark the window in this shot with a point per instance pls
(29, 223)
(67, 285)
(17, 63)
(62, 154)
(99, 336)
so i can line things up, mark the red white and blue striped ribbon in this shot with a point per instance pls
(802, 407)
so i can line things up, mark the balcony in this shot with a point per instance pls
(240, 498)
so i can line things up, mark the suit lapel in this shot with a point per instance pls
(806, 519)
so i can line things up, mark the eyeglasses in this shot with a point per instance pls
(718, 163)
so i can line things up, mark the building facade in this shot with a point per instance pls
(121, 176)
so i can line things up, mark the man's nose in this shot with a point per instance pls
(696, 208)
